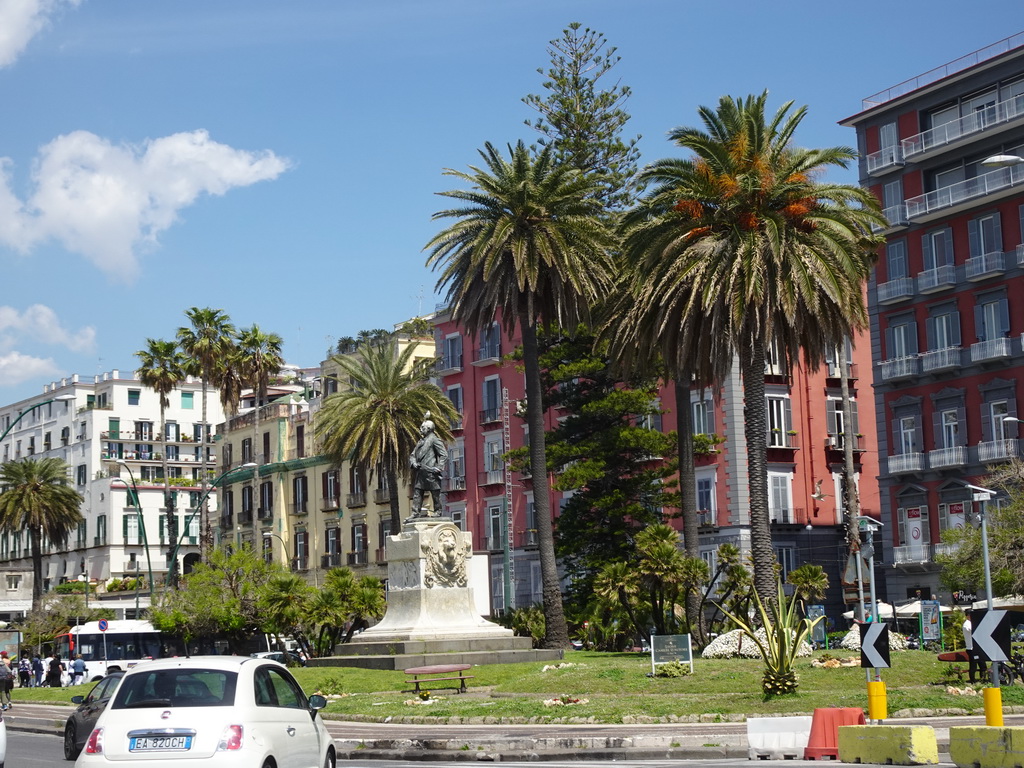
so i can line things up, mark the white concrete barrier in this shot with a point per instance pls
(776, 738)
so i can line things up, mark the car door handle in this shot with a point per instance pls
(290, 730)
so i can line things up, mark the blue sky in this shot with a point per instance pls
(279, 160)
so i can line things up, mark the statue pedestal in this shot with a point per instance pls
(431, 616)
(429, 597)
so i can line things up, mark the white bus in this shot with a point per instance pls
(120, 647)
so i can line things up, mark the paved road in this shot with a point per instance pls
(707, 741)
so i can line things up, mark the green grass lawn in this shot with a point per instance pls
(618, 690)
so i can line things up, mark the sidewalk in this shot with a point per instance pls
(521, 742)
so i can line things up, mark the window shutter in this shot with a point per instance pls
(888, 343)
(929, 333)
(912, 348)
(124, 527)
(856, 419)
(961, 425)
(789, 415)
(995, 224)
(954, 324)
(918, 429)
(986, 423)
(947, 247)
(938, 437)
(830, 416)
(1004, 318)
(979, 322)
(926, 251)
(709, 410)
(974, 237)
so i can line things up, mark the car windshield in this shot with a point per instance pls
(177, 688)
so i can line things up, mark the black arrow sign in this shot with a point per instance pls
(874, 645)
(990, 635)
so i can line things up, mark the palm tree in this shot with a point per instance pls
(739, 250)
(161, 368)
(810, 582)
(258, 358)
(208, 342)
(37, 497)
(376, 421)
(528, 243)
(284, 604)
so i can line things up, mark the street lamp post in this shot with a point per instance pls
(1002, 161)
(134, 489)
(284, 545)
(58, 399)
(199, 506)
(982, 495)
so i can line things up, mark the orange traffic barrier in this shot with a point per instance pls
(824, 740)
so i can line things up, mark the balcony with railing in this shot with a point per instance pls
(912, 554)
(300, 563)
(985, 266)
(329, 503)
(935, 360)
(884, 160)
(836, 370)
(905, 463)
(265, 513)
(492, 477)
(528, 538)
(706, 518)
(381, 495)
(495, 543)
(355, 499)
(450, 363)
(490, 415)
(991, 349)
(298, 507)
(895, 290)
(359, 557)
(934, 140)
(946, 548)
(998, 450)
(331, 560)
(456, 423)
(938, 279)
(944, 458)
(836, 442)
(488, 353)
(380, 555)
(895, 217)
(453, 483)
(780, 438)
(787, 516)
(900, 368)
(942, 201)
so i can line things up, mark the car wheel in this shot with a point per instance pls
(328, 761)
(71, 749)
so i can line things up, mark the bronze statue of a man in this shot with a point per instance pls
(427, 461)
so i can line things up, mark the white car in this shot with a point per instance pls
(3, 740)
(225, 710)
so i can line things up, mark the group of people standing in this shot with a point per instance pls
(34, 672)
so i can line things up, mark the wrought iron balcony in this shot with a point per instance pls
(895, 290)
(936, 360)
(935, 280)
(943, 458)
(905, 463)
(992, 349)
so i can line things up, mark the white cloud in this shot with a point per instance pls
(106, 201)
(16, 368)
(40, 323)
(20, 21)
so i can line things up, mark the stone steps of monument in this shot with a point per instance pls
(405, 661)
(453, 643)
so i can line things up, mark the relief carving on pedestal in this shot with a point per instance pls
(446, 551)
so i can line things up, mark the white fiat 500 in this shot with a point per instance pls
(225, 710)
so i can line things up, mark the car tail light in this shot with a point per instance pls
(232, 738)
(94, 746)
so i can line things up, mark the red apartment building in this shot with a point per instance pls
(945, 299)
(805, 462)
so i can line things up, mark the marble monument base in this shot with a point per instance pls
(431, 615)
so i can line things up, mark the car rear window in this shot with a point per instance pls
(177, 688)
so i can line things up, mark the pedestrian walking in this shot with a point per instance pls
(6, 681)
(24, 671)
(37, 671)
(54, 671)
(78, 670)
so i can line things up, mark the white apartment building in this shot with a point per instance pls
(107, 429)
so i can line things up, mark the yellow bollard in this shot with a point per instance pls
(877, 706)
(993, 706)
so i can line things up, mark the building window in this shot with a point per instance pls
(896, 260)
(300, 441)
(992, 317)
(937, 248)
(901, 339)
(912, 526)
(187, 400)
(779, 420)
(81, 476)
(130, 528)
(301, 550)
(451, 353)
(703, 416)
(943, 329)
(495, 520)
(133, 396)
(494, 467)
(706, 499)
(780, 505)
(907, 433)
(331, 487)
(490, 342)
(266, 510)
(247, 450)
(786, 557)
(300, 494)
(491, 400)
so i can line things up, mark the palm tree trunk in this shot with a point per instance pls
(205, 529)
(396, 512)
(851, 500)
(172, 513)
(688, 495)
(34, 536)
(756, 438)
(556, 633)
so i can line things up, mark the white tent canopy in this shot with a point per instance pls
(914, 609)
(885, 611)
(1010, 602)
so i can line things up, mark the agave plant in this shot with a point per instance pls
(779, 639)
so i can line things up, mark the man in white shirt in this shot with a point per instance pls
(974, 664)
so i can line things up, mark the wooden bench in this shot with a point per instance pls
(439, 673)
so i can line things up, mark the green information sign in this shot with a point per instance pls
(667, 648)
